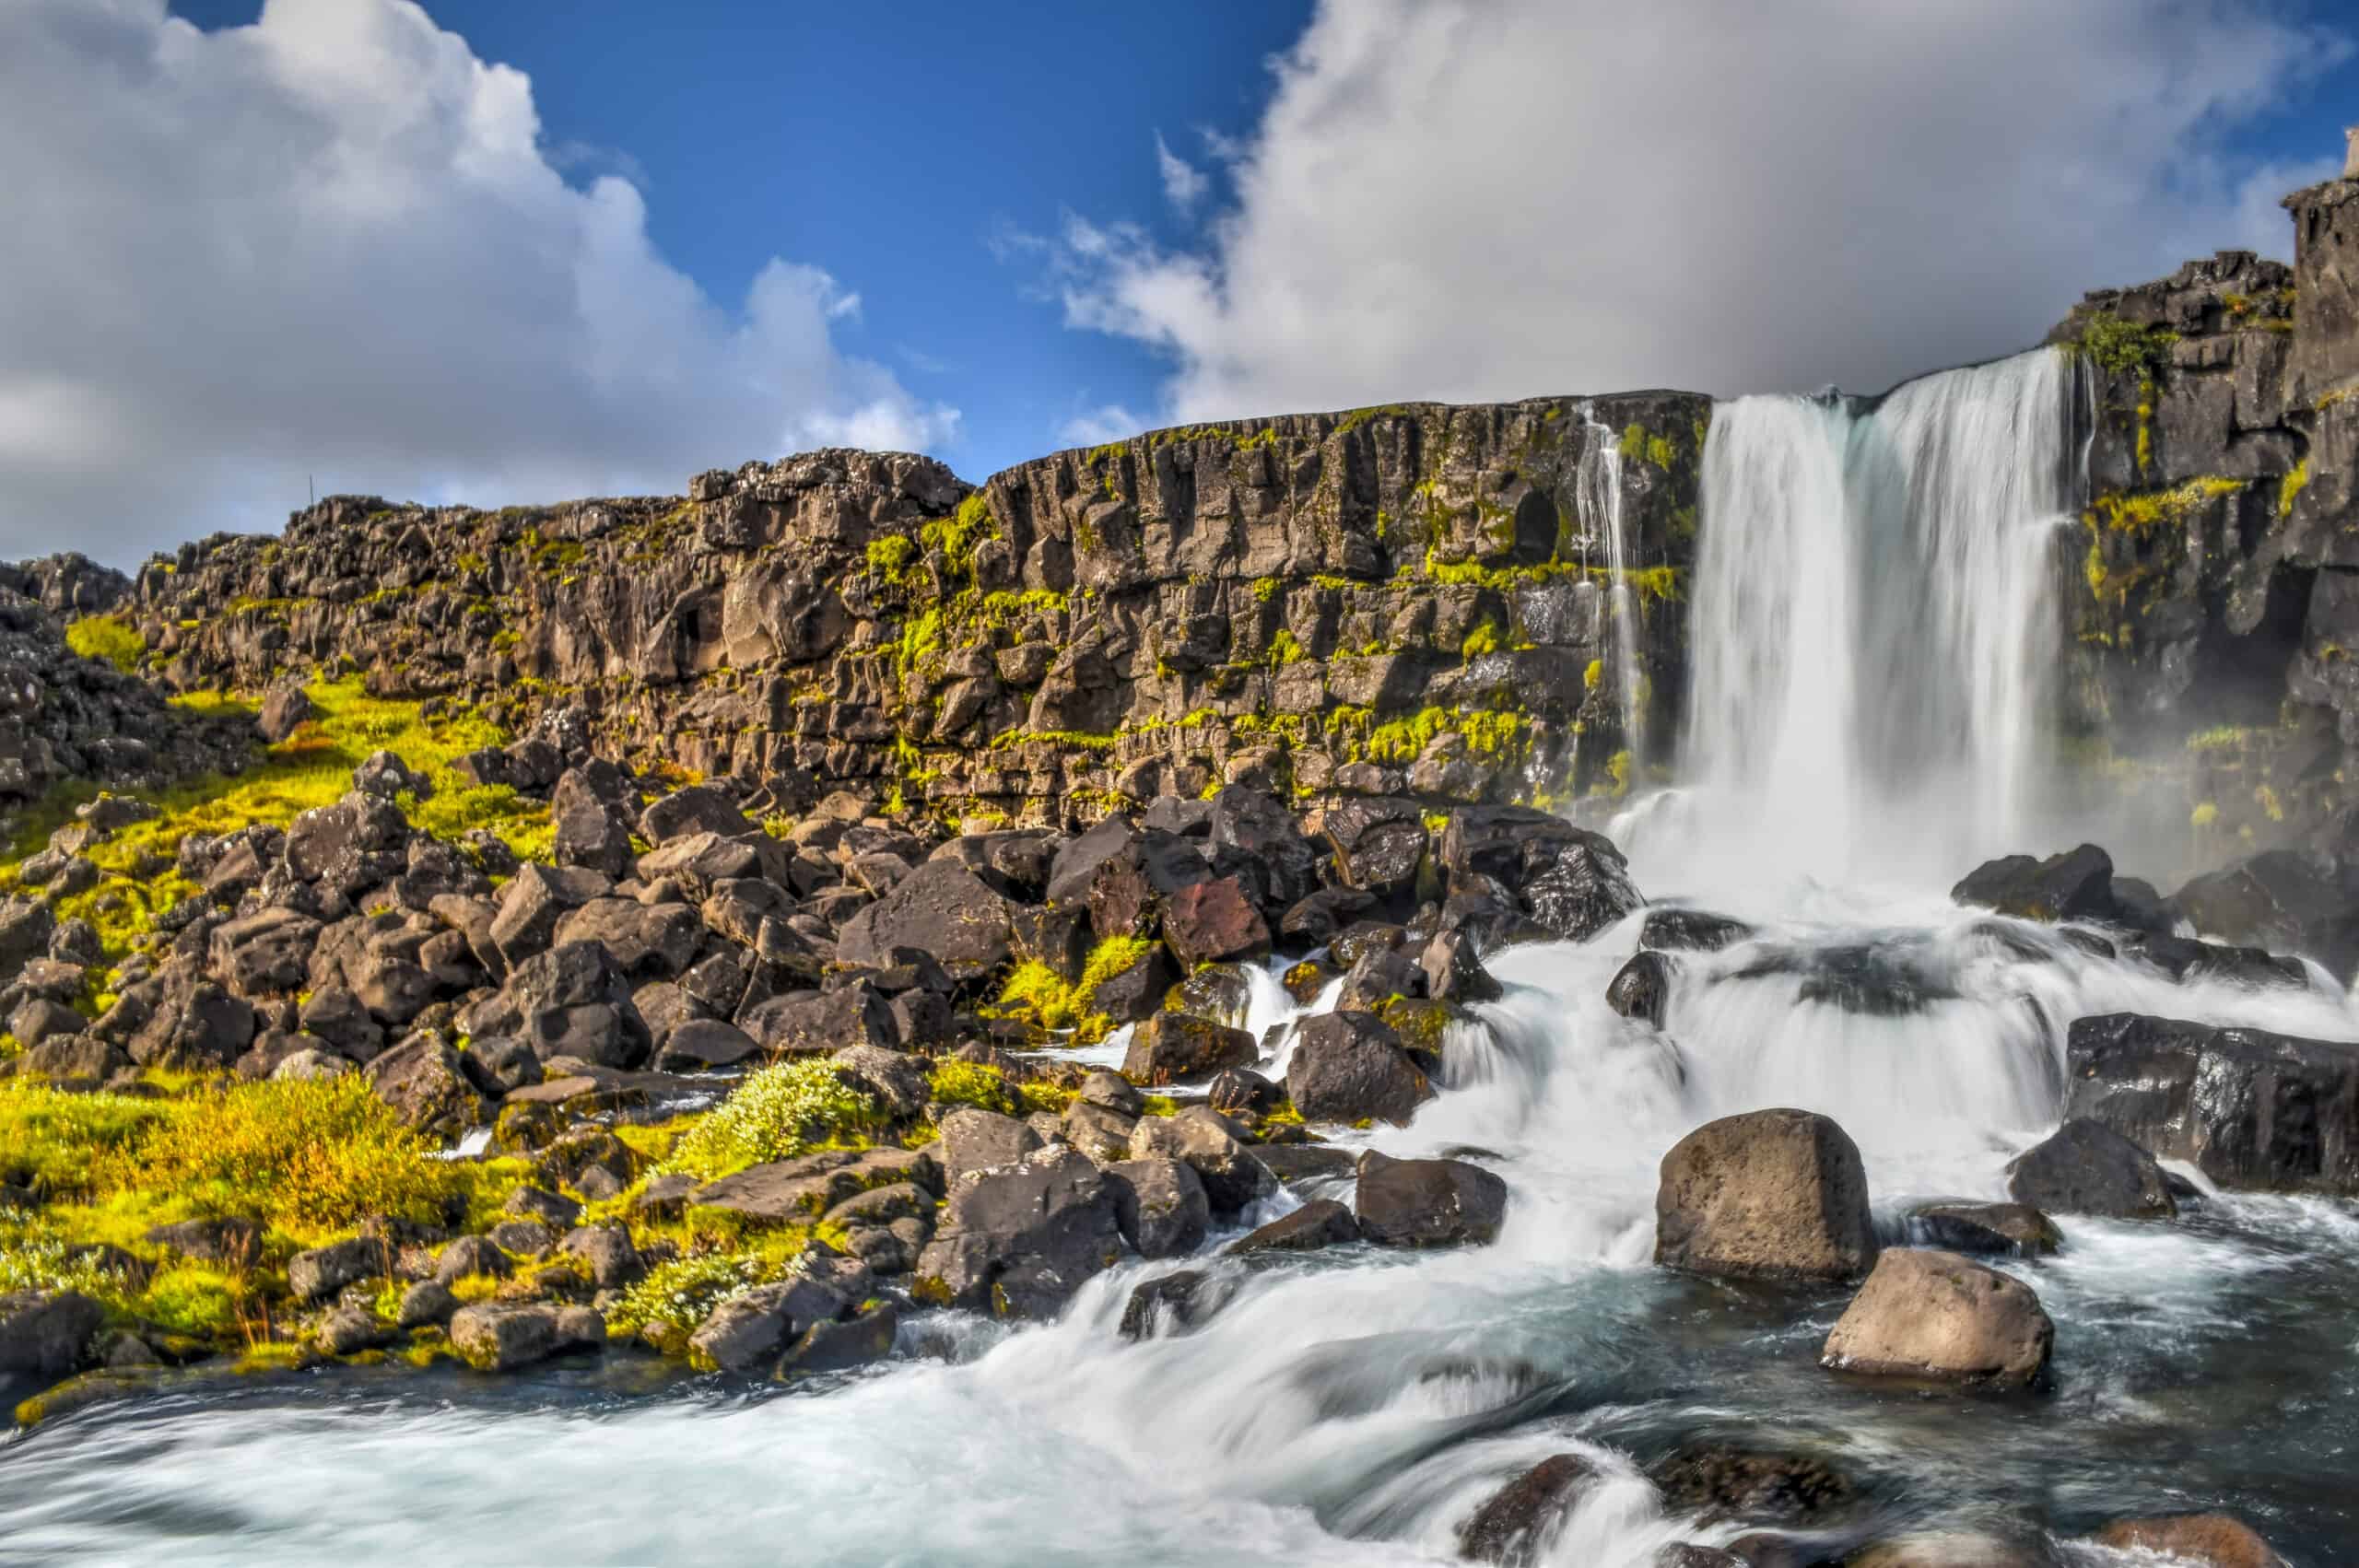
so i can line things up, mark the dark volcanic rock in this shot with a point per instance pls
(1512, 1527)
(2005, 1229)
(2282, 900)
(2247, 1107)
(1020, 1239)
(1676, 929)
(2074, 885)
(1640, 989)
(1349, 1067)
(2086, 1168)
(1172, 1045)
(1428, 1202)
(1322, 1222)
(941, 909)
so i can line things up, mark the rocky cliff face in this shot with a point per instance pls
(1415, 599)
(2214, 582)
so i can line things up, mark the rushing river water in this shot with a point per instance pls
(1354, 1408)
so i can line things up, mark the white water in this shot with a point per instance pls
(1599, 483)
(1354, 1408)
(1875, 622)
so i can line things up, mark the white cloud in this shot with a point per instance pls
(332, 245)
(1096, 427)
(1183, 183)
(1474, 199)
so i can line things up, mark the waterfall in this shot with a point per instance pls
(1876, 621)
(1600, 489)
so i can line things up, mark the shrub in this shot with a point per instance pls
(54, 1142)
(684, 1290)
(776, 1114)
(105, 637)
(49, 1263)
(307, 1157)
(972, 1083)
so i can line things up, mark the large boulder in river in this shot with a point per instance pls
(46, 1334)
(1427, 1202)
(1351, 1067)
(2247, 1107)
(1020, 1239)
(1573, 881)
(2074, 885)
(939, 908)
(2087, 1168)
(1944, 1318)
(1172, 1045)
(1211, 1145)
(1778, 1194)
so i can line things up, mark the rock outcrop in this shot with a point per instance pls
(1779, 1194)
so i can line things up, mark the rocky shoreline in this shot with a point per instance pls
(753, 1091)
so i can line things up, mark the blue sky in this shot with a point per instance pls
(339, 248)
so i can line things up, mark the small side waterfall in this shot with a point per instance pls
(1876, 616)
(1600, 482)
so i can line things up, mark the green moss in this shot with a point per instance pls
(2140, 511)
(1359, 416)
(2205, 813)
(1483, 640)
(889, 556)
(1593, 674)
(109, 639)
(1037, 994)
(972, 1084)
(1284, 649)
(2290, 488)
(1264, 590)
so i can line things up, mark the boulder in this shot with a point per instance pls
(351, 1329)
(533, 903)
(285, 708)
(1678, 929)
(2249, 1109)
(1378, 843)
(1640, 989)
(1174, 1302)
(1020, 1239)
(1322, 1222)
(647, 941)
(571, 1000)
(941, 909)
(977, 1140)
(1421, 1203)
(1255, 823)
(2202, 1540)
(2086, 1168)
(47, 1333)
(1173, 1045)
(699, 808)
(822, 1023)
(1207, 922)
(320, 1272)
(896, 1081)
(1208, 1143)
(1351, 1067)
(2281, 899)
(264, 952)
(1454, 972)
(1160, 1209)
(756, 1326)
(1772, 1194)
(426, 1083)
(1514, 1527)
(2074, 885)
(839, 1345)
(1938, 1316)
(699, 1045)
(503, 1335)
(1721, 1480)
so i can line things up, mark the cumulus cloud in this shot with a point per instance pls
(333, 246)
(1096, 427)
(1183, 183)
(1473, 199)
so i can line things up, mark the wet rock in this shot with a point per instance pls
(2283, 900)
(1322, 1222)
(1020, 1239)
(1640, 989)
(1379, 843)
(1240, 1091)
(748, 1329)
(1173, 1045)
(1953, 1549)
(1687, 1554)
(1254, 823)
(1161, 1209)
(1292, 1163)
(2211, 1540)
(1999, 1229)
(1939, 1316)
(2249, 1109)
(1314, 920)
(1513, 1528)
(1351, 1067)
(2074, 885)
(1680, 930)
(1774, 1194)
(2086, 1168)
(1738, 1481)
(1211, 1144)
(1454, 972)
(47, 1334)
(1171, 1302)
(1422, 1203)
(2185, 959)
(838, 1346)
(1879, 979)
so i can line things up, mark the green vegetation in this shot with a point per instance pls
(1037, 994)
(2123, 347)
(107, 638)
(776, 1114)
(972, 1084)
(889, 556)
(2290, 488)
(1483, 640)
(2127, 512)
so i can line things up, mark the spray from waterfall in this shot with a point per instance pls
(1876, 618)
(1600, 490)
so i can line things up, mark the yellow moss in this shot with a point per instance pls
(107, 638)
(1594, 673)
(2290, 488)
(2204, 814)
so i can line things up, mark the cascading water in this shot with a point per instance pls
(1869, 609)
(1875, 617)
(1599, 487)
